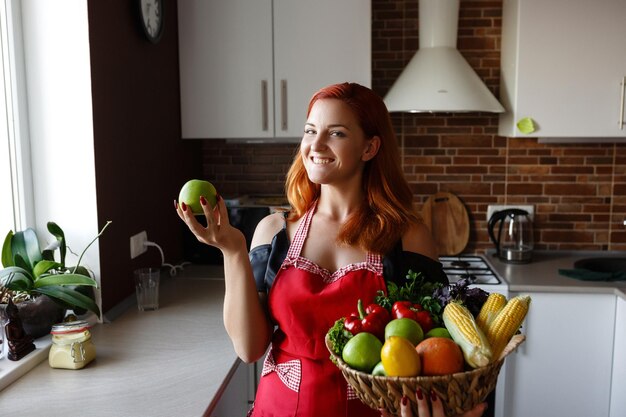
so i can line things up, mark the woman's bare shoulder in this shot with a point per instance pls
(267, 228)
(418, 239)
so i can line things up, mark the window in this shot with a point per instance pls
(15, 178)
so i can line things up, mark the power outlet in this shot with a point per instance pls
(493, 208)
(137, 244)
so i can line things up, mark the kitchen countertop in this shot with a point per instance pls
(542, 274)
(169, 362)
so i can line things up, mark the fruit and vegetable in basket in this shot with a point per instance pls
(362, 352)
(440, 356)
(371, 319)
(406, 328)
(399, 357)
(407, 309)
(467, 329)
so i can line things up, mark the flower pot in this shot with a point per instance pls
(38, 315)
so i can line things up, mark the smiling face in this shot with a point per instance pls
(334, 148)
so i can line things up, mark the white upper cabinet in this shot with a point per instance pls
(563, 65)
(225, 55)
(248, 68)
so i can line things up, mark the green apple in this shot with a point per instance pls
(191, 192)
(405, 327)
(438, 332)
(362, 352)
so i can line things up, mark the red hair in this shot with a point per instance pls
(387, 211)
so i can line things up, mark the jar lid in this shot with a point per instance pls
(70, 327)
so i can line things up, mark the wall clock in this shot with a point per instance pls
(151, 16)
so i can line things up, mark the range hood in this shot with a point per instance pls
(438, 78)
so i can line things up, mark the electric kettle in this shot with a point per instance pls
(514, 239)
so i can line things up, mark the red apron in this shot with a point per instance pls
(305, 300)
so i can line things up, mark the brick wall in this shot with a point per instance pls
(579, 191)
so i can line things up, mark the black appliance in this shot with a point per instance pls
(244, 213)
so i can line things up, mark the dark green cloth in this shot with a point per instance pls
(588, 275)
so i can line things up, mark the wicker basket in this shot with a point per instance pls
(459, 392)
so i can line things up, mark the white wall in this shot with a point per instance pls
(58, 82)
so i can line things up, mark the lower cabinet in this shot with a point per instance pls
(238, 396)
(564, 367)
(618, 399)
(234, 400)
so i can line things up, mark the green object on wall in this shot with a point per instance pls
(526, 125)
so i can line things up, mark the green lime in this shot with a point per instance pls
(379, 369)
(438, 332)
(362, 352)
(191, 192)
(405, 327)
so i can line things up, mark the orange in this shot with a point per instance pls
(440, 356)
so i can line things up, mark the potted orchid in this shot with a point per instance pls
(41, 284)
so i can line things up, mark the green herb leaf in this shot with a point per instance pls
(339, 336)
(415, 290)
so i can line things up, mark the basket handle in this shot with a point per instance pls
(513, 344)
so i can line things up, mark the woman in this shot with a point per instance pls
(351, 227)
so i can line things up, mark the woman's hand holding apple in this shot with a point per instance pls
(218, 231)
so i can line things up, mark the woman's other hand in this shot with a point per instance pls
(218, 231)
(432, 408)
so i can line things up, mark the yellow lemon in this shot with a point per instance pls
(400, 358)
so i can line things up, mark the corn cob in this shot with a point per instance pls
(506, 323)
(464, 331)
(495, 302)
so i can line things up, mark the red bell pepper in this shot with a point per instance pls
(372, 319)
(425, 320)
(407, 309)
(403, 309)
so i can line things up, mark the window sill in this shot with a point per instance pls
(10, 371)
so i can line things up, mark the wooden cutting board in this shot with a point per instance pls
(448, 221)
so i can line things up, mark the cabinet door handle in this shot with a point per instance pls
(283, 104)
(264, 104)
(621, 104)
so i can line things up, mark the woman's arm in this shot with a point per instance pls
(245, 318)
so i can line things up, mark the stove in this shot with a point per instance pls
(472, 266)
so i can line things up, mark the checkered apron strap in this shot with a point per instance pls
(375, 261)
(298, 240)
